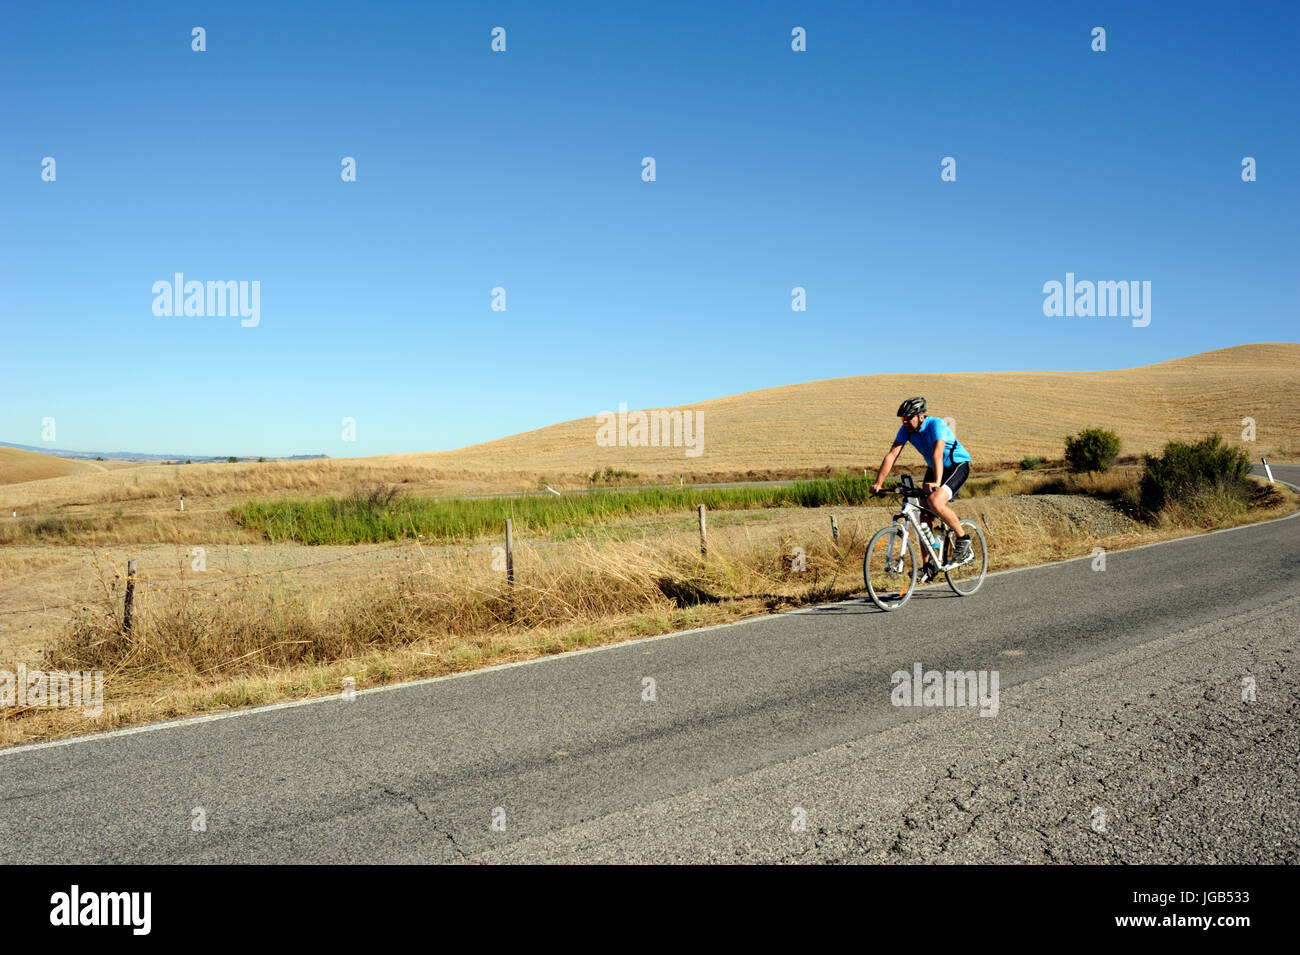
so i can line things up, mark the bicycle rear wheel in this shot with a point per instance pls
(966, 579)
(889, 568)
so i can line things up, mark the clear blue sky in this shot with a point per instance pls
(523, 170)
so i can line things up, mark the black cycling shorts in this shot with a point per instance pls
(953, 477)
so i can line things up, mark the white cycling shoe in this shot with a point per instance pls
(964, 553)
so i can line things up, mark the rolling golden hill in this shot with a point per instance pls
(831, 424)
(999, 416)
(17, 465)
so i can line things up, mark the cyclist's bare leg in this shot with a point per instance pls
(938, 502)
(927, 563)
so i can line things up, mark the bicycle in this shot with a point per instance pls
(890, 567)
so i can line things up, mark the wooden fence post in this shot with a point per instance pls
(510, 566)
(704, 546)
(130, 595)
(510, 553)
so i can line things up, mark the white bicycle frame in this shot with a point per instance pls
(910, 514)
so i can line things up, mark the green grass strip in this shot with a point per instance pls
(361, 519)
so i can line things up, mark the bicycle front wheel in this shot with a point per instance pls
(966, 579)
(889, 567)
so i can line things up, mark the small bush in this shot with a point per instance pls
(232, 459)
(1030, 464)
(611, 476)
(1184, 473)
(374, 499)
(1266, 497)
(1092, 449)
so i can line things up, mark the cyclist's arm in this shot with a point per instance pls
(887, 465)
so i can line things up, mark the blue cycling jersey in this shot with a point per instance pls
(924, 438)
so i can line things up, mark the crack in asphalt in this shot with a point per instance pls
(1192, 738)
(444, 829)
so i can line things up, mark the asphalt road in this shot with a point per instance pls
(1120, 735)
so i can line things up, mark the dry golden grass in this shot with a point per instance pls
(157, 489)
(417, 611)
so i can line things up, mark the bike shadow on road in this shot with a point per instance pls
(863, 604)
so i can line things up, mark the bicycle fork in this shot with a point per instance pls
(895, 562)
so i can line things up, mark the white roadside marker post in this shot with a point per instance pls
(1267, 470)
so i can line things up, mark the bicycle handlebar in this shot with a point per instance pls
(905, 491)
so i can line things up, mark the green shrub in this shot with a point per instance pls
(1092, 449)
(1184, 472)
(1030, 464)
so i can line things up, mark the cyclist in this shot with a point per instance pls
(947, 467)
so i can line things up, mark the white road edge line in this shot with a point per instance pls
(270, 707)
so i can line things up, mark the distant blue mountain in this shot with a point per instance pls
(137, 456)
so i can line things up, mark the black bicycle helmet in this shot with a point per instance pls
(910, 407)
